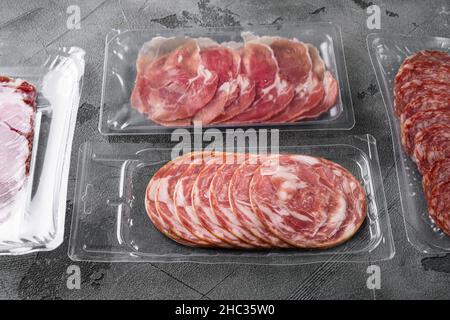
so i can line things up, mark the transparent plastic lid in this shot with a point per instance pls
(117, 117)
(37, 221)
(387, 52)
(110, 222)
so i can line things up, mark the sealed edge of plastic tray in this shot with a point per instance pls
(345, 120)
(109, 222)
(414, 210)
(60, 74)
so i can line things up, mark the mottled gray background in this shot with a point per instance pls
(40, 25)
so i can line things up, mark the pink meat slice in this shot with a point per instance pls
(420, 121)
(226, 64)
(165, 206)
(273, 94)
(330, 98)
(220, 205)
(14, 154)
(200, 201)
(318, 65)
(184, 207)
(306, 201)
(426, 102)
(431, 145)
(174, 86)
(239, 195)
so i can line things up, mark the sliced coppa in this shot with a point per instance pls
(220, 205)
(164, 202)
(174, 86)
(426, 102)
(226, 64)
(438, 174)
(439, 206)
(184, 207)
(273, 94)
(431, 144)
(295, 198)
(14, 154)
(200, 201)
(420, 121)
(239, 196)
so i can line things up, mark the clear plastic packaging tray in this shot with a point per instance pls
(121, 51)
(110, 223)
(387, 52)
(37, 224)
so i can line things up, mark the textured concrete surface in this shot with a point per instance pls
(41, 25)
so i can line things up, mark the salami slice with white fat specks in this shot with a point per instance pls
(439, 173)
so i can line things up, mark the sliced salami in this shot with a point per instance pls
(220, 205)
(425, 103)
(431, 144)
(420, 121)
(439, 206)
(439, 173)
(239, 195)
(295, 198)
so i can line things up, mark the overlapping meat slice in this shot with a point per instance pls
(426, 102)
(420, 121)
(183, 202)
(307, 203)
(438, 174)
(225, 62)
(273, 94)
(239, 195)
(220, 204)
(439, 206)
(431, 145)
(175, 85)
(200, 201)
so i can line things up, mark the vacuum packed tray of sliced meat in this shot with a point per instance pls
(158, 80)
(414, 76)
(299, 204)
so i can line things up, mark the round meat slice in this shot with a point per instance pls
(439, 173)
(439, 206)
(273, 94)
(420, 121)
(425, 103)
(200, 201)
(183, 202)
(329, 100)
(239, 195)
(220, 205)
(304, 201)
(431, 144)
(164, 200)
(408, 91)
(428, 55)
(150, 202)
(226, 64)
(14, 155)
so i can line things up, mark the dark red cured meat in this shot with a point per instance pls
(164, 202)
(428, 55)
(431, 144)
(183, 203)
(220, 205)
(296, 68)
(272, 93)
(408, 91)
(174, 86)
(330, 98)
(439, 206)
(239, 195)
(200, 201)
(226, 64)
(438, 174)
(425, 103)
(420, 121)
(150, 202)
(306, 202)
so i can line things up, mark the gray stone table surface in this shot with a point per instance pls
(41, 25)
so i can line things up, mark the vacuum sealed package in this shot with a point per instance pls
(292, 77)
(414, 78)
(38, 108)
(138, 202)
